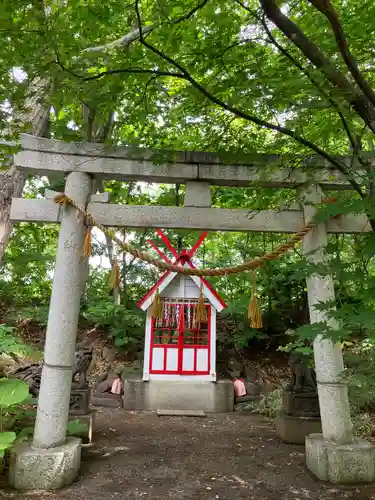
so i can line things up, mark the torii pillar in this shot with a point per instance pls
(336, 455)
(52, 460)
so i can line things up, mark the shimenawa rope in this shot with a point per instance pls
(63, 199)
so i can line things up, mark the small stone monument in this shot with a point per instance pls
(80, 392)
(103, 395)
(79, 407)
(300, 415)
(237, 370)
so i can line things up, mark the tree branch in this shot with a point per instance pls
(312, 80)
(118, 71)
(352, 95)
(295, 62)
(242, 114)
(327, 9)
(316, 84)
(138, 71)
(124, 41)
(133, 35)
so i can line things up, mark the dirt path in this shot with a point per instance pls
(226, 457)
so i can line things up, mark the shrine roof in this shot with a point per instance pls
(208, 291)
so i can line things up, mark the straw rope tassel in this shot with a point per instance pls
(200, 312)
(61, 199)
(254, 313)
(157, 306)
(87, 242)
(114, 280)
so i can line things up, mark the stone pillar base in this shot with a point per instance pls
(37, 469)
(293, 430)
(352, 463)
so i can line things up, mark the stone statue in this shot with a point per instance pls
(303, 378)
(105, 381)
(82, 362)
(32, 372)
(109, 388)
(300, 414)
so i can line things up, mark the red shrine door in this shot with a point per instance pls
(178, 345)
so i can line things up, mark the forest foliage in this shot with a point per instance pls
(240, 77)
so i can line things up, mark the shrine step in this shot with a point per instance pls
(180, 413)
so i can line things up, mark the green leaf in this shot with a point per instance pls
(77, 428)
(30, 400)
(12, 391)
(6, 440)
(304, 350)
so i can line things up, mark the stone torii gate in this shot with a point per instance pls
(53, 460)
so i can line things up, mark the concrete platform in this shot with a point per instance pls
(209, 397)
(246, 398)
(293, 430)
(107, 400)
(352, 463)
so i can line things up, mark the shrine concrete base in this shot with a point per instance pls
(210, 397)
(352, 463)
(37, 469)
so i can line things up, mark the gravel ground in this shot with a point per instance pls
(229, 457)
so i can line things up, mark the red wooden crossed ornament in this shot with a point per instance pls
(181, 258)
(168, 244)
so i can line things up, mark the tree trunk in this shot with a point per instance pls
(93, 132)
(12, 181)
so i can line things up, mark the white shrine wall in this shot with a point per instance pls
(181, 287)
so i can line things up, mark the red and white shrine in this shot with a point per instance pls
(177, 346)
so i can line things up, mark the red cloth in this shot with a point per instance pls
(239, 387)
(117, 386)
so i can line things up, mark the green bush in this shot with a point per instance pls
(271, 403)
(37, 315)
(125, 326)
(12, 392)
(364, 425)
(11, 344)
(361, 376)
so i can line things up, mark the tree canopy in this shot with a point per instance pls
(256, 76)
(289, 76)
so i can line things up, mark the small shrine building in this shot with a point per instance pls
(177, 346)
